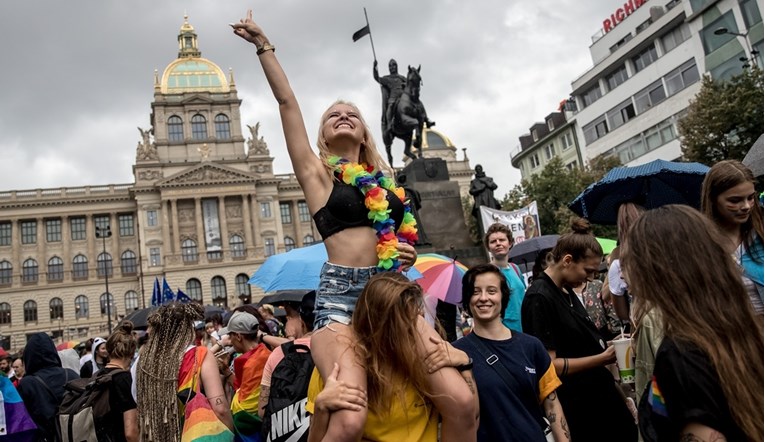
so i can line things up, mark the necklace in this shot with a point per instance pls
(371, 183)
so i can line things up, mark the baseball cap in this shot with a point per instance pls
(240, 322)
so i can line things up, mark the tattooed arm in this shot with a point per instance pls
(700, 433)
(265, 392)
(554, 414)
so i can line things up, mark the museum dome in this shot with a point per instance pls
(433, 139)
(190, 72)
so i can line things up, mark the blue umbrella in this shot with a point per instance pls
(297, 269)
(650, 185)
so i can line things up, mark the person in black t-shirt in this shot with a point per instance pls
(122, 420)
(707, 383)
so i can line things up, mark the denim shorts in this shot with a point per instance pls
(339, 288)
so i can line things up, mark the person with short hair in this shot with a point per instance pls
(498, 242)
(18, 371)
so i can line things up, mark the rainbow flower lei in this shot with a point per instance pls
(371, 183)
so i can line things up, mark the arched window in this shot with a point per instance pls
(289, 243)
(222, 127)
(5, 313)
(236, 243)
(242, 285)
(131, 301)
(174, 129)
(6, 272)
(128, 263)
(30, 311)
(29, 271)
(189, 250)
(56, 309)
(80, 267)
(105, 299)
(81, 309)
(55, 269)
(198, 127)
(194, 289)
(104, 264)
(219, 297)
(308, 240)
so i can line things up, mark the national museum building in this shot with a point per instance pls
(205, 210)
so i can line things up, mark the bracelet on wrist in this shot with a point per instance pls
(465, 367)
(266, 47)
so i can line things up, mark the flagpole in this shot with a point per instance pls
(370, 35)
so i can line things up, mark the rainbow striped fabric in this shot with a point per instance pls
(656, 400)
(248, 369)
(19, 426)
(200, 423)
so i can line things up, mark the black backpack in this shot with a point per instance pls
(285, 416)
(85, 404)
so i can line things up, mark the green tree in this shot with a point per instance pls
(724, 119)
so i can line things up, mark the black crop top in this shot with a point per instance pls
(345, 209)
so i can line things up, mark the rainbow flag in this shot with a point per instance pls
(200, 424)
(19, 426)
(244, 405)
(656, 400)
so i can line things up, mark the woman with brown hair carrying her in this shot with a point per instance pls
(707, 383)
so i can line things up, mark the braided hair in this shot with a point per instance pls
(171, 330)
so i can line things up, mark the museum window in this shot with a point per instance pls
(77, 228)
(174, 129)
(5, 313)
(286, 213)
(154, 257)
(710, 40)
(265, 210)
(53, 230)
(269, 247)
(303, 213)
(198, 127)
(189, 250)
(131, 301)
(81, 309)
(236, 243)
(218, 289)
(55, 269)
(243, 285)
(194, 290)
(101, 222)
(289, 243)
(222, 127)
(151, 218)
(6, 231)
(56, 309)
(29, 232)
(6, 273)
(107, 299)
(308, 240)
(80, 267)
(104, 267)
(126, 223)
(29, 271)
(30, 311)
(645, 58)
(128, 263)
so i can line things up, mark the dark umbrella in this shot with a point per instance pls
(753, 158)
(650, 185)
(282, 296)
(211, 310)
(527, 251)
(140, 317)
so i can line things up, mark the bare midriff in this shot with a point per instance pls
(353, 247)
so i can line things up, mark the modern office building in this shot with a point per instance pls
(556, 137)
(204, 211)
(648, 59)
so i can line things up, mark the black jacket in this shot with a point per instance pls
(42, 387)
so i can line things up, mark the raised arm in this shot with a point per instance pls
(305, 163)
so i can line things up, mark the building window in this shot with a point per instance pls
(650, 96)
(6, 273)
(198, 127)
(535, 161)
(308, 240)
(620, 43)
(107, 299)
(29, 232)
(269, 247)
(549, 151)
(126, 225)
(174, 129)
(550, 125)
(104, 267)
(56, 309)
(620, 114)
(151, 218)
(29, 271)
(128, 263)
(286, 213)
(6, 231)
(265, 210)
(303, 213)
(222, 127)
(643, 26)
(53, 230)
(214, 255)
(289, 243)
(131, 301)
(711, 41)
(5, 313)
(77, 228)
(55, 269)
(681, 77)
(673, 38)
(591, 95)
(30, 311)
(154, 257)
(81, 309)
(571, 165)
(189, 250)
(534, 135)
(101, 222)
(567, 140)
(243, 285)
(645, 58)
(236, 243)
(80, 267)
(218, 289)
(751, 12)
(194, 290)
(616, 78)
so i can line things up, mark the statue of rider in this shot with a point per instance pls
(392, 86)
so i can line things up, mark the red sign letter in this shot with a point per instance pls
(606, 25)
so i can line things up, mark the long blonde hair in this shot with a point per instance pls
(368, 153)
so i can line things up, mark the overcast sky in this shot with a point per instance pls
(77, 76)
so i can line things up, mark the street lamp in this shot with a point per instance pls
(752, 57)
(103, 233)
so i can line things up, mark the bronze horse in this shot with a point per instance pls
(409, 117)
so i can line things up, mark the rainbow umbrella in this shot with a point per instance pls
(66, 345)
(441, 277)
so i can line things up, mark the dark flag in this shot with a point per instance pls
(360, 33)
(156, 294)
